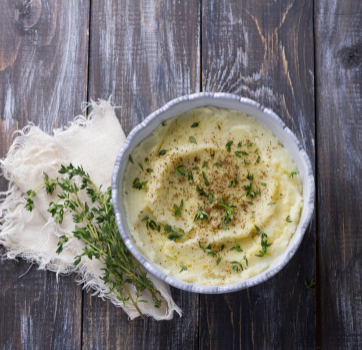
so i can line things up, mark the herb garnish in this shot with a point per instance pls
(237, 247)
(239, 144)
(147, 160)
(264, 243)
(238, 154)
(180, 171)
(139, 185)
(271, 203)
(212, 154)
(228, 145)
(218, 261)
(162, 152)
(208, 249)
(167, 228)
(250, 203)
(205, 163)
(246, 261)
(149, 223)
(218, 165)
(149, 170)
(130, 159)
(176, 234)
(233, 182)
(229, 209)
(263, 184)
(256, 150)
(249, 144)
(258, 160)
(200, 191)
(236, 266)
(288, 219)
(250, 177)
(141, 166)
(205, 179)
(195, 168)
(222, 247)
(183, 267)
(246, 163)
(310, 285)
(249, 190)
(192, 139)
(195, 125)
(291, 173)
(211, 197)
(164, 123)
(177, 211)
(96, 226)
(201, 215)
(190, 176)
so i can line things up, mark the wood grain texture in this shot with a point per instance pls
(264, 50)
(339, 134)
(43, 78)
(37, 312)
(144, 53)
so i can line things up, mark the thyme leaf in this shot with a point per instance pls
(201, 215)
(208, 249)
(205, 179)
(192, 139)
(180, 171)
(177, 211)
(228, 145)
(139, 185)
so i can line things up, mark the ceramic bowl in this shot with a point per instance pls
(224, 100)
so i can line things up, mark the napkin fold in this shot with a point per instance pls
(93, 143)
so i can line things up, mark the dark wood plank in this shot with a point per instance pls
(144, 53)
(339, 132)
(43, 78)
(264, 50)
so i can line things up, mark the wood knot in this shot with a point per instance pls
(27, 14)
(351, 56)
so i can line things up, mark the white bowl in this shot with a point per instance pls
(223, 100)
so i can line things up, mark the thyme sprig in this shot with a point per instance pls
(177, 211)
(208, 249)
(138, 185)
(264, 243)
(176, 234)
(201, 215)
(236, 266)
(310, 285)
(96, 226)
(229, 209)
(180, 171)
(149, 223)
(290, 173)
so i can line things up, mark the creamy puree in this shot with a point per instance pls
(254, 173)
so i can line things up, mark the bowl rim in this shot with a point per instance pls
(190, 287)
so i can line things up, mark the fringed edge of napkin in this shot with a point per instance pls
(11, 217)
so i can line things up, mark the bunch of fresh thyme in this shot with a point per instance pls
(98, 230)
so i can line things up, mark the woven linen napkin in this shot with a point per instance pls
(92, 143)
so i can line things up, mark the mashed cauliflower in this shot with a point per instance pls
(212, 197)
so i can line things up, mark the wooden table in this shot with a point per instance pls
(303, 59)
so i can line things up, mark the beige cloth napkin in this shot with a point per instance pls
(92, 143)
